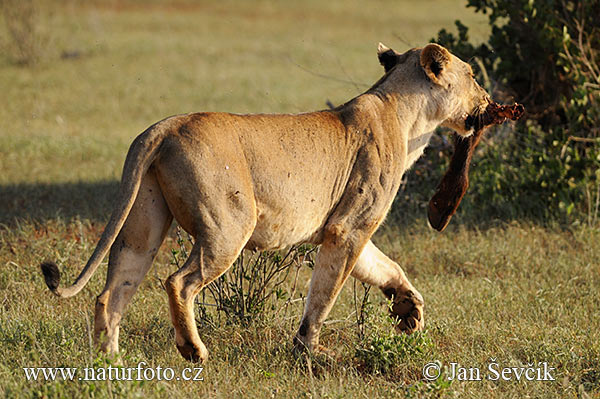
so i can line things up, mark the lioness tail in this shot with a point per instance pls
(139, 158)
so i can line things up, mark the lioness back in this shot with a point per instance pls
(298, 166)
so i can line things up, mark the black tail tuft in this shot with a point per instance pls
(51, 275)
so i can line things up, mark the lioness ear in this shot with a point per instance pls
(434, 60)
(387, 57)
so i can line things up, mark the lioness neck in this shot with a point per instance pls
(412, 128)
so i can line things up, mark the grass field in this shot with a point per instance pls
(514, 292)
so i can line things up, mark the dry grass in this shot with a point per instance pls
(518, 293)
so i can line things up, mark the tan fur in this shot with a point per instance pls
(269, 181)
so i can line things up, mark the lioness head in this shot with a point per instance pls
(456, 96)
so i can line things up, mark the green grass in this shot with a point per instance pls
(519, 293)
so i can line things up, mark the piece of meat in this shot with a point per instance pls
(494, 114)
(455, 182)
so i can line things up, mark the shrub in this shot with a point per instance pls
(26, 37)
(384, 351)
(254, 285)
(545, 55)
(251, 287)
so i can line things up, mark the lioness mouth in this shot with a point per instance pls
(455, 182)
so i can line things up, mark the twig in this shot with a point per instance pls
(347, 74)
(403, 40)
(328, 77)
(583, 139)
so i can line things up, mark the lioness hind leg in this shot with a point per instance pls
(333, 265)
(130, 259)
(204, 264)
(375, 268)
(209, 188)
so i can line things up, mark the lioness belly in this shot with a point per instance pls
(279, 229)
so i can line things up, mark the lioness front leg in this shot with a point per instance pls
(375, 268)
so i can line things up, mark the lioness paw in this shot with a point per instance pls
(408, 310)
(193, 353)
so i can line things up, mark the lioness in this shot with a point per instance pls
(269, 181)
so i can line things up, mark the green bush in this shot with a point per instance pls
(382, 352)
(545, 55)
(253, 288)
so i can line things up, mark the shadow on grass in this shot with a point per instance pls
(40, 202)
